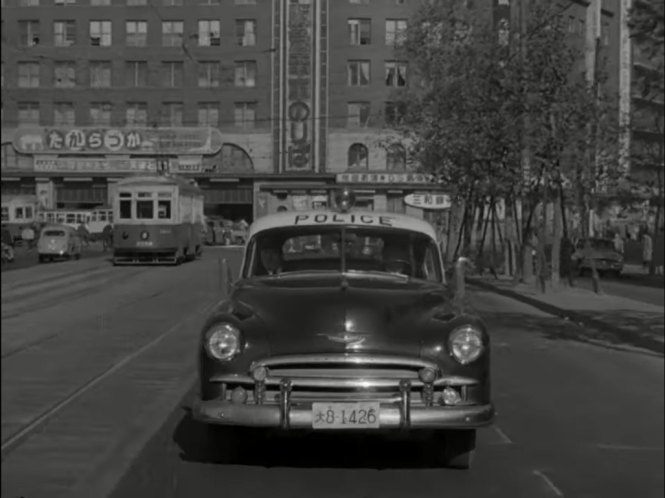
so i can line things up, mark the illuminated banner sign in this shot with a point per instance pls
(386, 178)
(135, 141)
(93, 165)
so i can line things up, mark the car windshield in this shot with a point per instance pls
(54, 233)
(286, 251)
(602, 244)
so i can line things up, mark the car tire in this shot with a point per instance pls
(457, 448)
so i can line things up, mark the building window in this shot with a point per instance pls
(245, 115)
(358, 157)
(65, 2)
(136, 73)
(64, 33)
(172, 33)
(358, 73)
(394, 113)
(172, 3)
(360, 31)
(172, 74)
(246, 32)
(209, 33)
(581, 27)
(100, 74)
(395, 31)
(136, 3)
(100, 113)
(100, 3)
(100, 33)
(63, 114)
(137, 33)
(209, 74)
(28, 75)
(208, 114)
(28, 113)
(357, 114)
(172, 113)
(27, 3)
(396, 158)
(28, 33)
(136, 114)
(64, 74)
(605, 34)
(396, 74)
(245, 74)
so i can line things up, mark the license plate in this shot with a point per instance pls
(345, 415)
(141, 243)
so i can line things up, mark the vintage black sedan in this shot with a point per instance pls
(342, 320)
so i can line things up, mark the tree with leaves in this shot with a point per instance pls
(505, 117)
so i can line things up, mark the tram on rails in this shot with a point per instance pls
(18, 212)
(158, 220)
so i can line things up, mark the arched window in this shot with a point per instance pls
(396, 158)
(358, 157)
(234, 158)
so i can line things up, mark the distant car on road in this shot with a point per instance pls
(344, 338)
(58, 241)
(605, 257)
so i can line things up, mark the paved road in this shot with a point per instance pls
(575, 420)
(641, 289)
(95, 383)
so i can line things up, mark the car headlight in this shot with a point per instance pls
(466, 344)
(222, 341)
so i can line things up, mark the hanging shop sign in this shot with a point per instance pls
(135, 141)
(93, 165)
(386, 178)
(428, 201)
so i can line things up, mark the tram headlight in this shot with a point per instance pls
(222, 342)
(466, 344)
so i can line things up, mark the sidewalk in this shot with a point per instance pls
(632, 322)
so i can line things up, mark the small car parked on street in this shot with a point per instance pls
(344, 338)
(605, 257)
(58, 241)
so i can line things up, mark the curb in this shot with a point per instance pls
(626, 335)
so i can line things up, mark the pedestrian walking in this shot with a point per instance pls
(28, 236)
(566, 262)
(84, 234)
(647, 250)
(618, 243)
(658, 252)
(107, 237)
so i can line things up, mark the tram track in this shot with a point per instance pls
(22, 434)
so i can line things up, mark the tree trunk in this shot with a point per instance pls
(483, 238)
(556, 242)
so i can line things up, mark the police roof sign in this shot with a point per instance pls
(118, 141)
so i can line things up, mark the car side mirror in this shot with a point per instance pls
(226, 277)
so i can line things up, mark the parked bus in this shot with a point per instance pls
(158, 219)
(19, 211)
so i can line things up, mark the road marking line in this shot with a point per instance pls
(626, 447)
(502, 435)
(550, 484)
(11, 442)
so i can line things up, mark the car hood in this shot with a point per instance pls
(329, 315)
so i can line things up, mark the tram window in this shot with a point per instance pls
(28, 212)
(164, 210)
(101, 216)
(18, 213)
(70, 218)
(5, 213)
(110, 217)
(125, 208)
(145, 210)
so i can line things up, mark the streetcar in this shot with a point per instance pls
(18, 212)
(93, 219)
(158, 220)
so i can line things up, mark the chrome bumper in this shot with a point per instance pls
(300, 416)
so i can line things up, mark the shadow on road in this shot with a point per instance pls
(306, 450)
(640, 330)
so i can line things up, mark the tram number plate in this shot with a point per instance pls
(345, 415)
(144, 243)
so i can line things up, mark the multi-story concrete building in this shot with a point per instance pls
(267, 103)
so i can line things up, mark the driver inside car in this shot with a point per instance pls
(396, 257)
(271, 258)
